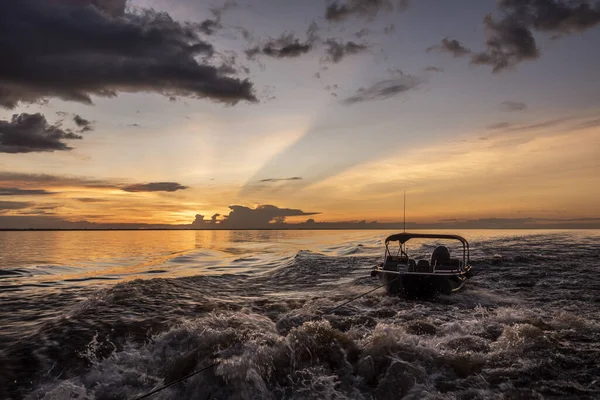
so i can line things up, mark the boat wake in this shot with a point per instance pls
(513, 332)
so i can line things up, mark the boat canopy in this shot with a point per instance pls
(406, 236)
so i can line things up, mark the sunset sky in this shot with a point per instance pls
(154, 111)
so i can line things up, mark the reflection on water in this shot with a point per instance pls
(75, 323)
(59, 259)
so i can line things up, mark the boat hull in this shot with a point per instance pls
(422, 285)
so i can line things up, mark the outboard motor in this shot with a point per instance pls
(441, 254)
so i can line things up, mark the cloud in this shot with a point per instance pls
(336, 50)
(451, 46)
(286, 46)
(293, 178)
(499, 125)
(510, 38)
(27, 133)
(591, 123)
(262, 216)
(368, 9)
(433, 69)
(514, 106)
(154, 187)
(114, 8)
(385, 89)
(83, 123)
(13, 179)
(71, 50)
(47, 180)
(23, 192)
(14, 205)
(362, 33)
(508, 43)
(91, 200)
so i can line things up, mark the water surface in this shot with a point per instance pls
(113, 314)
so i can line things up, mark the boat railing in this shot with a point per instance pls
(403, 259)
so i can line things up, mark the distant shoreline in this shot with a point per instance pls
(290, 229)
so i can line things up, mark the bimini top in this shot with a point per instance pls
(406, 236)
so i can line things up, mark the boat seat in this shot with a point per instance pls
(423, 266)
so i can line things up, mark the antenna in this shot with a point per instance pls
(404, 210)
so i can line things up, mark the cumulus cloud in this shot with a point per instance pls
(11, 191)
(514, 106)
(385, 89)
(261, 216)
(451, 46)
(337, 50)
(293, 178)
(242, 217)
(101, 50)
(154, 187)
(27, 133)
(510, 39)
(368, 9)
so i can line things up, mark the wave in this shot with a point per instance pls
(526, 326)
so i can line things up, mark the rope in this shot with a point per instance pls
(329, 311)
(176, 381)
(352, 299)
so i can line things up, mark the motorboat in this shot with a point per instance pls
(409, 277)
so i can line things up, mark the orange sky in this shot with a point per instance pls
(344, 137)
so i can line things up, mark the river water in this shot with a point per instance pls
(114, 314)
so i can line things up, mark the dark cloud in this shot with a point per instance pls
(362, 33)
(23, 192)
(293, 178)
(508, 43)
(13, 205)
(263, 216)
(556, 16)
(209, 26)
(510, 38)
(339, 11)
(385, 89)
(83, 123)
(433, 69)
(27, 133)
(72, 51)
(242, 217)
(286, 46)
(154, 187)
(451, 46)
(114, 8)
(514, 106)
(46, 180)
(14, 179)
(336, 50)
